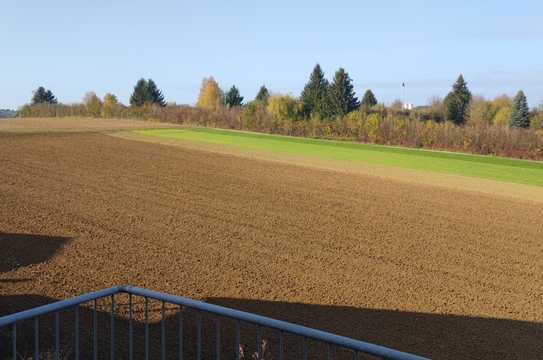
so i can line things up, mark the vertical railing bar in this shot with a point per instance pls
(163, 333)
(281, 345)
(146, 328)
(258, 342)
(36, 338)
(130, 329)
(95, 330)
(217, 339)
(237, 349)
(305, 345)
(180, 339)
(14, 340)
(57, 335)
(76, 325)
(329, 352)
(112, 350)
(199, 336)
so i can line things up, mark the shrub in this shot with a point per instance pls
(282, 115)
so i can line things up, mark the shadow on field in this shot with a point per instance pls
(20, 250)
(435, 336)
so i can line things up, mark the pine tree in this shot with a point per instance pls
(43, 96)
(315, 94)
(457, 102)
(146, 91)
(155, 94)
(39, 96)
(233, 98)
(50, 98)
(368, 101)
(342, 96)
(140, 95)
(263, 95)
(520, 113)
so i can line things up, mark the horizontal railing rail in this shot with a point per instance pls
(59, 305)
(330, 339)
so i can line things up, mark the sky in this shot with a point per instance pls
(72, 46)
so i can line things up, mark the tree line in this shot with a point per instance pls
(331, 109)
(325, 100)
(328, 100)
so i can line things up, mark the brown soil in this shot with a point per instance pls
(74, 124)
(522, 192)
(434, 271)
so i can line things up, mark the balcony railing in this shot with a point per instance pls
(129, 327)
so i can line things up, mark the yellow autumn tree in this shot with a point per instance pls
(110, 105)
(211, 97)
(481, 111)
(284, 110)
(501, 109)
(92, 103)
(502, 116)
(284, 107)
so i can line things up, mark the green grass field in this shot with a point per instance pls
(486, 167)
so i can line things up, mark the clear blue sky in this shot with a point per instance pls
(75, 46)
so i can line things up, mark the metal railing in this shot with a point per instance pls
(326, 341)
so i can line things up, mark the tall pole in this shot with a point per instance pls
(404, 105)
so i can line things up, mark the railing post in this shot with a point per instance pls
(76, 326)
(281, 345)
(258, 342)
(36, 338)
(14, 340)
(180, 340)
(163, 332)
(112, 350)
(217, 339)
(95, 330)
(199, 336)
(57, 336)
(237, 349)
(130, 329)
(146, 328)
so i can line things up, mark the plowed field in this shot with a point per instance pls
(434, 271)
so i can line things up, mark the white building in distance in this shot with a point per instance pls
(407, 106)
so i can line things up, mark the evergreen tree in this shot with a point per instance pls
(342, 96)
(368, 101)
(457, 102)
(520, 113)
(50, 98)
(233, 98)
(146, 91)
(315, 94)
(39, 96)
(263, 95)
(139, 95)
(155, 94)
(43, 96)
